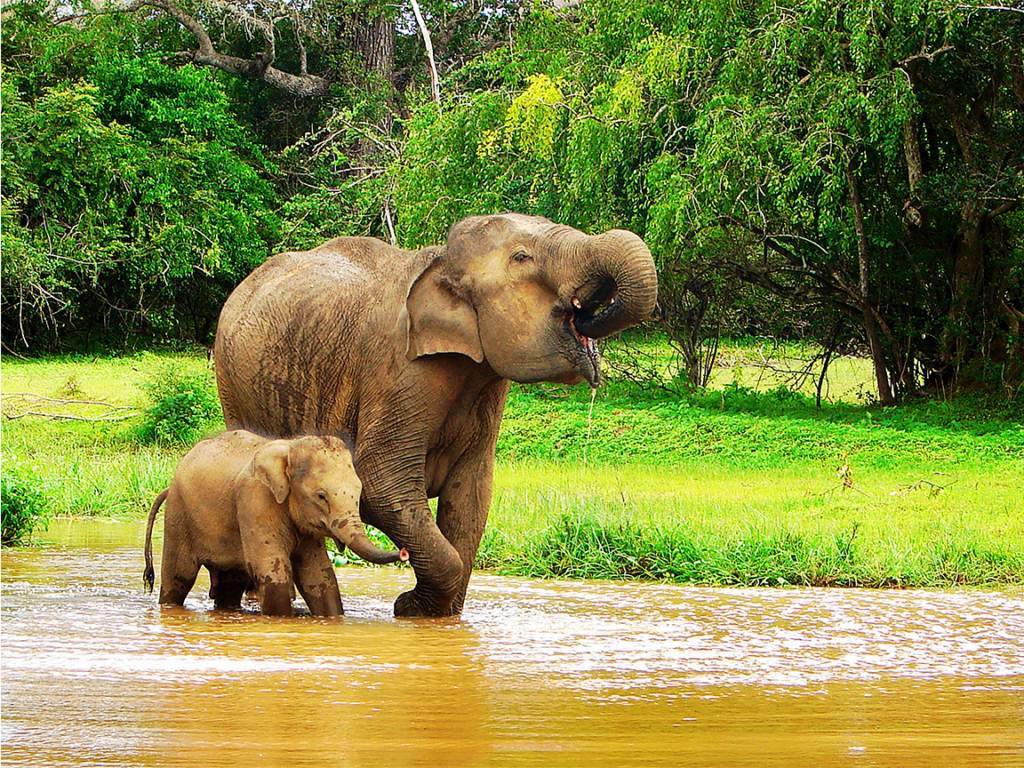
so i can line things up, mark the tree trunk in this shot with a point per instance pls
(915, 173)
(980, 325)
(885, 395)
(374, 40)
(968, 277)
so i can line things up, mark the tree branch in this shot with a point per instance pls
(1007, 8)
(258, 68)
(924, 56)
(435, 82)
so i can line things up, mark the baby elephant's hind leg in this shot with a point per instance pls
(315, 579)
(227, 587)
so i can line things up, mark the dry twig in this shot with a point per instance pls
(19, 405)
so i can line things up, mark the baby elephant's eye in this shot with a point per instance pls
(321, 495)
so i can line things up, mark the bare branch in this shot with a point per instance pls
(1009, 8)
(66, 416)
(390, 223)
(925, 56)
(435, 82)
(22, 404)
(257, 68)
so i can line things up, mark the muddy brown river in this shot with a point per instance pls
(537, 673)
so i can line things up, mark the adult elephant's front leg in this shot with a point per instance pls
(436, 562)
(462, 512)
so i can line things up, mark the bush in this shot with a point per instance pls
(183, 407)
(23, 507)
(126, 182)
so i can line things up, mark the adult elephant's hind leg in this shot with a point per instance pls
(178, 570)
(315, 579)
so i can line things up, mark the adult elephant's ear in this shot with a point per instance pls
(439, 317)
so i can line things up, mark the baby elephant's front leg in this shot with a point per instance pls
(273, 576)
(267, 545)
(315, 579)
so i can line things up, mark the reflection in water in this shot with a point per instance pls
(536, 673)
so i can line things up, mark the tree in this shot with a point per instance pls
(849, 173)
(131, 196)
(858, 157)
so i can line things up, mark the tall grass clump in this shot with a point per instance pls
(581, 546)
(23, 507)
(183, 406)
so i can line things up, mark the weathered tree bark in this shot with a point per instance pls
(374, 40)
(885, 395)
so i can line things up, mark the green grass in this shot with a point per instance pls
(719, 524)
(91, 468)
(737, 484)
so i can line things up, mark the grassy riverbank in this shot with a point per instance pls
(738, 484)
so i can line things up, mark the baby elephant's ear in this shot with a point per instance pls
(270, 466)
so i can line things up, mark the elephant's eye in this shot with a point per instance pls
(321, 495)
(520, 256)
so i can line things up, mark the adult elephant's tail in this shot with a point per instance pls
(148, 576)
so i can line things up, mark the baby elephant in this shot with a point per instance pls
(255, 512)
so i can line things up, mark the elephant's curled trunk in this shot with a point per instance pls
(619, 284)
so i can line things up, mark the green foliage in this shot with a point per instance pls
(132, 195)
(724, 135)
(23, 507)
(733, 137)
(183, 405)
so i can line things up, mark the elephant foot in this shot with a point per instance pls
(414, 604)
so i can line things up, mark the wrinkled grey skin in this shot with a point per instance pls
(411, 352)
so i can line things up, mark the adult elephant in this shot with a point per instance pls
(411, 352)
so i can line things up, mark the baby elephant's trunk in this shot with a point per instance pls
(360, 543)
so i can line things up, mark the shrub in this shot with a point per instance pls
(23, 507)
(183, 407)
